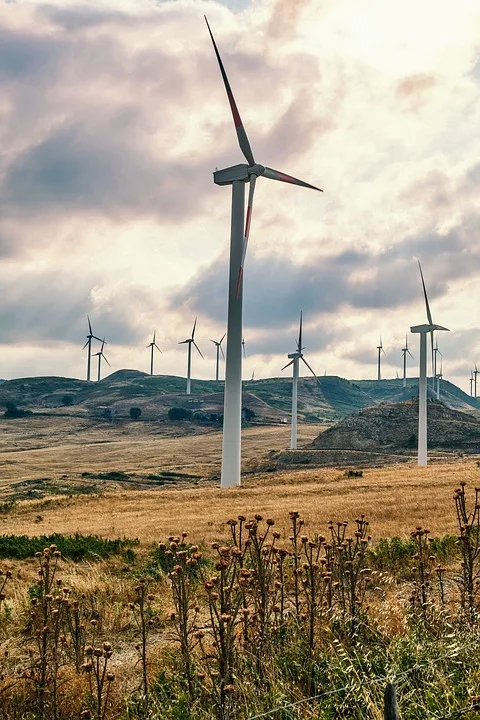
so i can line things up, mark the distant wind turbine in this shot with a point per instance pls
(190, 341)
(475, 373)
(88, 344)
(471, 383)
(380, 350)
(238, 176)
(153, 346)
(424, 330)
(295, 357)
(218, 346)
(439, 377)
(436, 380)
(405, 350)
(253, 375)
(101, 355)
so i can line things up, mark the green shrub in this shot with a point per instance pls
(178, 413)
(135, 412)
(67, 400)
(75, 547)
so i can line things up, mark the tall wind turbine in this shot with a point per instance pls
(153, 346)
(238, 176)
(101, 355)
(424, 330)
(380, 350)
(219, 349)
(475, 373)
(405, 350)
(295, 358)
(88, 344)
(471, 383)
(190, 341)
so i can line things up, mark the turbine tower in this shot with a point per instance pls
(218, 346)
(380, 350)
(405, 350)
(439, 376)
(190, 341)
(436, 376)
(237, 176)
(422, 387)
(475, 373)
(153, 346)
(471, 383)
(295, 357)
(101, 355)
(88, 344)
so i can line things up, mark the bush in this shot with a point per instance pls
(76, 547)
(178, 413)
(135, 413)
(13, 411)
(67, 400)
(248, 414)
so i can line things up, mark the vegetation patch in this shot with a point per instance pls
(74, 547)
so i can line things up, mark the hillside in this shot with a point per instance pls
(329, 398)
(394, 426)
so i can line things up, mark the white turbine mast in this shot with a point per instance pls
(295, 358)
(153, 346)
(439, 376)
(424, 330)
(436, 376)
(88, 344)
(190, 341)
(101, 355)
(237, 176)
(380, 350)
(219, 349)
(475, 373)
(405, 351)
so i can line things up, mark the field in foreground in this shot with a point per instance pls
(238, 631)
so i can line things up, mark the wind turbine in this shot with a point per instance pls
(101, 355)
(380, 350)
(436, 379)
(219, 348)
(295, 357)
(422, 387)
(405, 350)
(439, 376)
(471, 383)
(237, 176)
(190, 341)
(475, 373)
(153, 345)
(88, 344)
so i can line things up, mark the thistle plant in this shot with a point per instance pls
(145, 619)
(469, 543)
(425, 564)
(182, 560)
(100, 678)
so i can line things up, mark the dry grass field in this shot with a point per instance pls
(395, 498)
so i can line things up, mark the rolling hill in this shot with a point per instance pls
(329, 398)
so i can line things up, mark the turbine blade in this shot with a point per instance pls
(408, 351)
(213, 341)
(308, 366)
(429, 314)
(99, 339)
(283, 177)
(89, 325)
(223, 338)
(300, 334)
(183, 342)
(288, 364)
(200, 352)
(241, 134)
(194, 326)
(83, 348)
(221, 350)
(157, 348)
(105, 359)
(251, 192)
(153, 341)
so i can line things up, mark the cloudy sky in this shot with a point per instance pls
(112, 118)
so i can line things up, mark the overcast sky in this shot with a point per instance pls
(113, 116)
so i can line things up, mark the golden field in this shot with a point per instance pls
(395, 498)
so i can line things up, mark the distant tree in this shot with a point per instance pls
(12, 411)
(178, 413)
(67, 400)
(248, 414)
(135, 413)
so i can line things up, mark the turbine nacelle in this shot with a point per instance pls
(427, 328)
